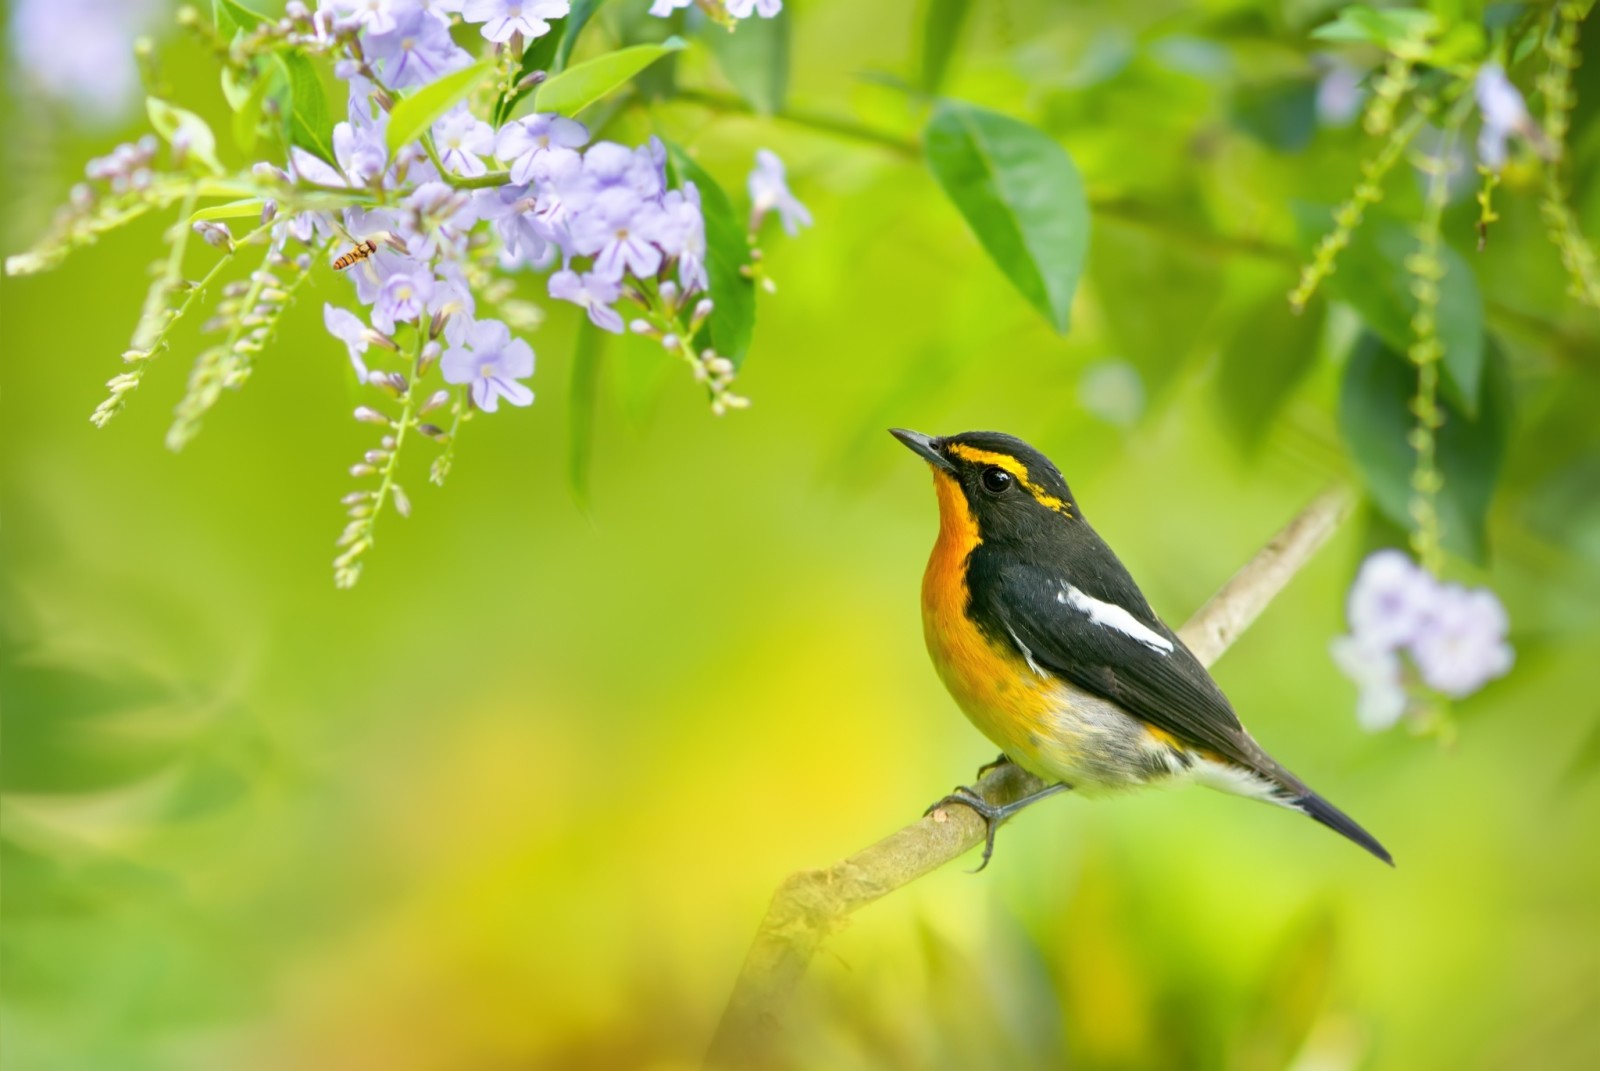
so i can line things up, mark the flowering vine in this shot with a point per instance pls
(448, 174)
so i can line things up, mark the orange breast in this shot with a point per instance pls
(994, 686)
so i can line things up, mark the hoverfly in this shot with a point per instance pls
(362, 251)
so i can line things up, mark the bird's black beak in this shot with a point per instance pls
(925, 446)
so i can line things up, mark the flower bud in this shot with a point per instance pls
(435, 400)
(216, 234)
(375, 457)
(402, 502)
(358, 471)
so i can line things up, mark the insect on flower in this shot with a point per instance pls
(362, 251)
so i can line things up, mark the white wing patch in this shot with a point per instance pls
(1109, 615)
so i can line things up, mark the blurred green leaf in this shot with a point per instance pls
(1361, 24)
(1290, 995)
(187, 133)
(244, 209)
(575, 88)
(943, 22)
(1371, 274)
(577, 19)
(1375, 420)
(733, 314)
(70, 731)
(755, 59)
(1280, 114)
(304, 105)
(1261, 364)
(1022, 196)
(250, 110)
(233, 15)
(413, 115)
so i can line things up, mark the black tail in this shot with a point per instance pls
(1316, 807)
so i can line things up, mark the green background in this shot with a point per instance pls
(520, 799)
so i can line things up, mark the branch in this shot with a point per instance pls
(811, 904)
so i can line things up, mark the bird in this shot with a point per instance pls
(1048, 646)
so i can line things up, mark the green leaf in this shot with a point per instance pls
(733, 312)
(755, 59)
(942, 24)
(1281, 114)
(413, 115)
(538, 56)
(582, 12)
(244, 209)
(304, 104)
(186, 130)
(582, 400)
(1021, 195)
(1262, 363)
(576, 88)
(247, 116)
(1371, 275)
(1360, 24)
(232, 16)
(1375, 420)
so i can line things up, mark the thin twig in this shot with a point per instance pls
(811, 904)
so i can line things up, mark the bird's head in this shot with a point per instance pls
(998, 482)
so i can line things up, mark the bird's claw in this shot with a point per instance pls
(990, 814)
(1001, 760)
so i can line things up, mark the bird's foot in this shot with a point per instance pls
(1001, 760)
(991, 813)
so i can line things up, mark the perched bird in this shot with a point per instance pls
(1048, 646)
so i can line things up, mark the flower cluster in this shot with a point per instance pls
(428, 229)
(1454, 637)
(1505, 115)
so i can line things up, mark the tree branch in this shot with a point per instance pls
(811, 904)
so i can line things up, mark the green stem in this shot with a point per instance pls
(358, 538)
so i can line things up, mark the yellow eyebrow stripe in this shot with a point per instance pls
(1016, 468)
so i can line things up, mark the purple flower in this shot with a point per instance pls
(452, 299)
(491, 361)
(81, 51)
(609, 166)
(769, 191)
(403, 298)
(462, 139)
(502, 18)
(1339, 93)
(1463, 647)
(663, 8)
(416, 51)
(435, 219)
(1504, 113)
(1390, 599)
(742, 9)
(682, 234)
(617, 231)
(370, 275)
(347, 327)
(593, 293)
(1381, 697)
(522, 237)
(535, 145)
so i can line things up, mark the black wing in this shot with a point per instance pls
(1168, 689)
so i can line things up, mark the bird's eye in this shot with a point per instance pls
(996, 480)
